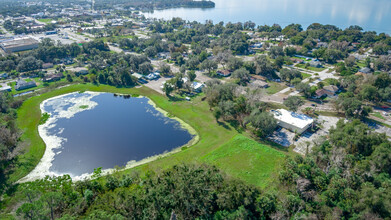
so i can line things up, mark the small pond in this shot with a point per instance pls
(90, 130)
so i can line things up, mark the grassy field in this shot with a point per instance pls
(378, 115)
(310, 68)
(275, 87)
(46, 20)
(219, 144)
(246, 159)
(305, 75)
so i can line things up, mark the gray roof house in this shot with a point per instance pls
(316, 64)
(21, 85)
(365, 70)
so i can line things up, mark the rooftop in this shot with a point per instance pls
(292, 118)
(19, 42)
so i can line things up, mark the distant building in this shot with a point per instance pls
(20, 44)
(257, 46)
(5, 89)
(315, 64)
(47, 65)
(137, 75)
(21, 85)
(153, 76)
(332, 89)
(365, 70)
(259, 84)
(81, 71)
(197, 86)
(50, 32)
(4, 76)
(297, 60)
(322, 93)
(223, 73)
(292, 121)
(53, 77)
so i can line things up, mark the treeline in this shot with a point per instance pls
(19, 28)
(49, 51)
(116, 69)
(345, 177)
(183, 192)
(243, 111)
(9, 136)
(361, 90)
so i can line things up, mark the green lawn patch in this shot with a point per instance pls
(275, 87)
(310, 68)
(246, 159)
(46, 20)
(83, 106)
(378, 115)
(305, 75)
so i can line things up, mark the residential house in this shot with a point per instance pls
(315, 64)
(81, 71)
(320, 93)
(259, 84)
(4, 76)
(47, 65)
(327, 91)
(332, 89)
(297, 60)
(53, 77)
(197, 87)
(365, 70)
(224, 73)
(21, 85)
(5, 89)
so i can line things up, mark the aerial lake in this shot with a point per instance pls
(90, 130)
(372, 15)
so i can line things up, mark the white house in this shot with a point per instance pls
(292, 121)
(197, 86)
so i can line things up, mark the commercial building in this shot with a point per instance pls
(292, 121)
(19, 44)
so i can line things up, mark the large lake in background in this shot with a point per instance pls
(373, 15)
(91, 130)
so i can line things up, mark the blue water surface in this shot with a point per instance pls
(116, 131)
(372, 15)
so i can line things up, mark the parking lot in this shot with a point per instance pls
(380, 128)
(54, 37)
(306, 140)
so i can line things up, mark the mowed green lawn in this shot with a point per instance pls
(219, 143)
(246, 159)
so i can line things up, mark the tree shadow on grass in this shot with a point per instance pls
(224, 125)
(235, 124)
(273, 145)
(175, 99)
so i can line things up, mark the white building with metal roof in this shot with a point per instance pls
(292, 121)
